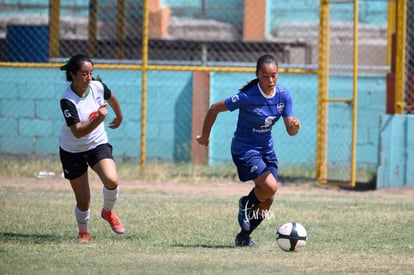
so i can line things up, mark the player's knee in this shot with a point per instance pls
(110, 181)
(272, 188)
(271, 184)
(267, 184)
(111, 184)
(269, 189)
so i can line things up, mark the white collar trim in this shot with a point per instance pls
(265, 95)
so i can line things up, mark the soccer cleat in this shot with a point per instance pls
(244, 240)
(113, 221)
(84, 237)
(243, 216)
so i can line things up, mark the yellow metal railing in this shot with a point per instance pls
(324, 100)
(400, 58)
(54, 14)
(323, 84)
(144, 83)
(355, 97)
(138, 67)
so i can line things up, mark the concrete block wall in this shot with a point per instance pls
(30, 116)
(396, 147)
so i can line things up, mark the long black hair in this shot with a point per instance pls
(264, 59)
(74, 64)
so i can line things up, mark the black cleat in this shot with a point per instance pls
(244, 240)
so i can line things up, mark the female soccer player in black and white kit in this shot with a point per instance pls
(261, 103)
(83, 141)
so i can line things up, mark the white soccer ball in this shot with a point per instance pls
(291, 236)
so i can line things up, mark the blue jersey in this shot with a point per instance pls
(257, 114)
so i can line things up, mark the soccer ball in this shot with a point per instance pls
(291, 236)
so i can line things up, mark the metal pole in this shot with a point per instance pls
(400, 58)
(144, 83)
(323, 76)
(355, 97)
(54, 14)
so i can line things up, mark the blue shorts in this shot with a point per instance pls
(76, 164)
(252, 164)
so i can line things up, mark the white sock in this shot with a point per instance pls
(82, 217)
(109, 198)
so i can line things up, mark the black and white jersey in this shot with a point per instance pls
(83, 109)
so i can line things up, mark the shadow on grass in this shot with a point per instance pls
(359, 185)
(31, 238)
(294, 179)
(203, 246)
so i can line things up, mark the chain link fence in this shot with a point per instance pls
(180, 32)
(370, 21)
(217, 34)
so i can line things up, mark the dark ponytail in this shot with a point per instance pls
(249, 84)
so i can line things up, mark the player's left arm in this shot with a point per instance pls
(113, 102)
(111, 99)
(292, 125)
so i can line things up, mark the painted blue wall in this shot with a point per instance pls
(30, 116)
(396, 161)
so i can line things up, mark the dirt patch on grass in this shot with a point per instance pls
(57, 184)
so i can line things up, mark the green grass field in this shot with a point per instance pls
(189, 228)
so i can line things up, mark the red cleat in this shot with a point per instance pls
(113, 221)
(84, 237)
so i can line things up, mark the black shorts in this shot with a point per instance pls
(76, 164)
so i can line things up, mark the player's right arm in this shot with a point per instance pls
(209, 120)
(78, 128)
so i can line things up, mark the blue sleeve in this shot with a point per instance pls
(235, 101)
(288, 105)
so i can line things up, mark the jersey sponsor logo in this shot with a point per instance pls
(234, 98)
(280, 107)
(67, 113)
(266, 127)
(268, 121)
(260, 131)
(99, 100)
(93, 115)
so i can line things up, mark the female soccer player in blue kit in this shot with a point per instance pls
(83, 142)
(261, 103)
